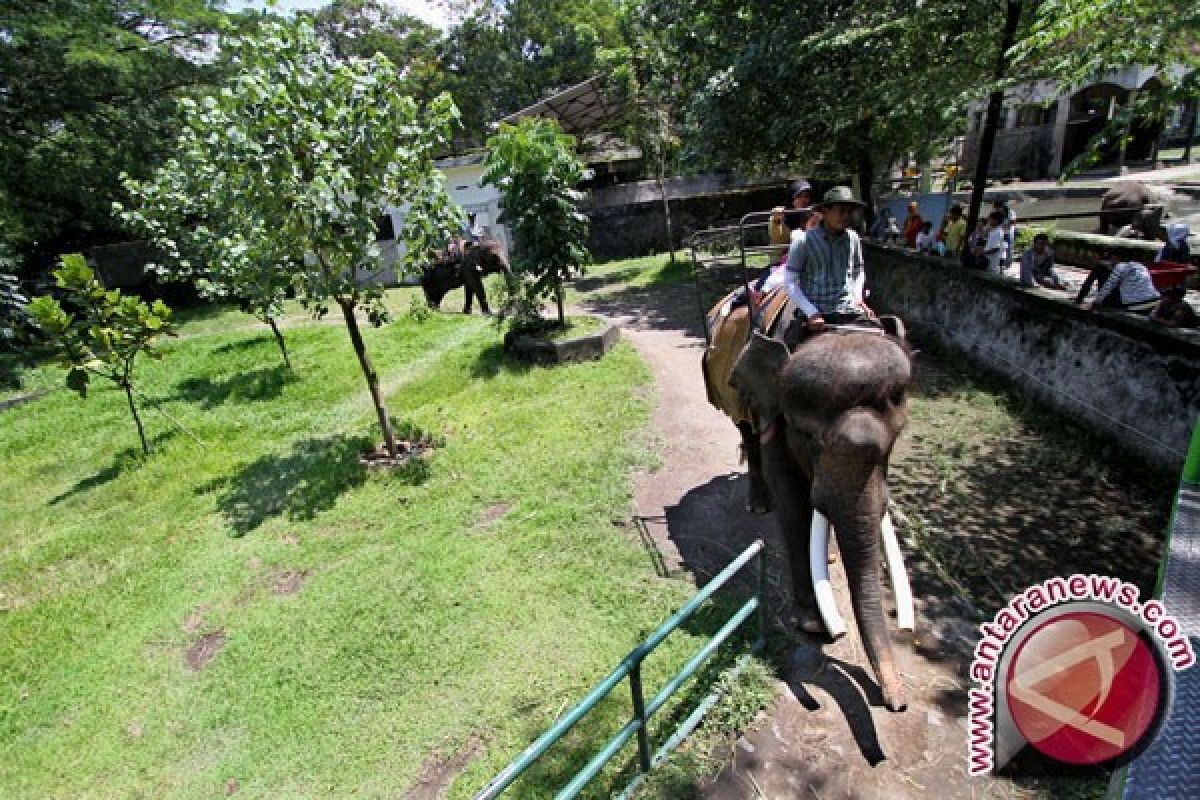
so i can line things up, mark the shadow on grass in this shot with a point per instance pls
(998, 513)
(493, 361)
(264, 383)
(249, 343)
(124, 461)
(298, 484)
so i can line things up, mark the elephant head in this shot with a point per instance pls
(829, 414)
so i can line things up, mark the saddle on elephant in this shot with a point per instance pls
(730, 324)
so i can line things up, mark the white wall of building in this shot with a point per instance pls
(464, 184)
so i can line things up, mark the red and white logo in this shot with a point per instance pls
(1085, 688)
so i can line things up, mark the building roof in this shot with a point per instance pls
(581, 109)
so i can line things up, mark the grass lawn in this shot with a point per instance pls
(253, 613)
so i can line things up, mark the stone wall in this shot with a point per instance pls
(626, 230)
(1123, 376)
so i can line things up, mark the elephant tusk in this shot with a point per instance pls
(895, 565)
(818, 557)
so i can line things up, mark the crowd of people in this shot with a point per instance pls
(820, 259)
(991, 247)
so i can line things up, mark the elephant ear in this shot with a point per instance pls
(756, 375)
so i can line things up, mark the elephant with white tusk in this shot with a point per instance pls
(818, 425)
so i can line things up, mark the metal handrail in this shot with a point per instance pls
(630, 667)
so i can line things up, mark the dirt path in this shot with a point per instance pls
(827, 734)
(822, 735)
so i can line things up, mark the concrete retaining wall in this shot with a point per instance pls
(626, 230)
(1123, 376)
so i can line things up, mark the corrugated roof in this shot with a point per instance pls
(580, 109)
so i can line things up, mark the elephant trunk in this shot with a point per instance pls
(851, 492)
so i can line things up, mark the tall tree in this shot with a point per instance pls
(299, 157)
(87, 91)
(842, 88)
(362, 28)
(505, 55)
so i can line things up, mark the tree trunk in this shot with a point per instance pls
(279, 340)
(666, 201)
(364, 361)
(558, 299)
(137, 420)
(987, 138)
(1187, 151)
(866, 177)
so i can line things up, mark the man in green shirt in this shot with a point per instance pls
(955, 231)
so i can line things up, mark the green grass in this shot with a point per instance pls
(459, 606)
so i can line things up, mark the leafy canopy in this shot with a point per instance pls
(87, 91)
(281, 176)
(287, 169)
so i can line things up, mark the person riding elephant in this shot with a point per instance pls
(825, 394)
(488, 257)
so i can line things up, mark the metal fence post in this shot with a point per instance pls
(639, 711)
(762, 595)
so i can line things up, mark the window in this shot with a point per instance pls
(384, 230)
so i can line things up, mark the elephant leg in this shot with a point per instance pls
(789, 490)
(851, 491)
(473, 287)
(757, 497)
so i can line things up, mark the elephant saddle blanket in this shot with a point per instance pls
(729, 326)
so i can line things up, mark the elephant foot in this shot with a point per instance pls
(894, 701)
(757, 503)
(757, 499)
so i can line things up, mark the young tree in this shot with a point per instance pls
(249, 266)
(295, 161)
(533, 164)
(105, 336)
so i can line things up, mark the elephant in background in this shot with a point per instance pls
(828, 416)
(1130, 207)
(467, 271)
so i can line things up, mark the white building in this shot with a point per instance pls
(464, 183)
(1042, 128)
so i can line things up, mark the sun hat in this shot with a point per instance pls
(801, 186)
(840, 196)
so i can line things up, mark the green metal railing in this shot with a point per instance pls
(631, 667)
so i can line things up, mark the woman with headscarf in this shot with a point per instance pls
(912, 225)
(1176, 248)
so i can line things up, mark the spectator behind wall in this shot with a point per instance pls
(972, 254)
(912, 225)
(1037, 265)
(995, 248)
(1128, 287)
(1009, 224)
(1176, 249)
(955, 231)
(1173, 311)
(925, 238)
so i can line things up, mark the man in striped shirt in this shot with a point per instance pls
(1129, 284)
(825, 271)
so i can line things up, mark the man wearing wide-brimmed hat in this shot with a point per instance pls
(825, 270)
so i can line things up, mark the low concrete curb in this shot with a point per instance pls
(545, 351)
